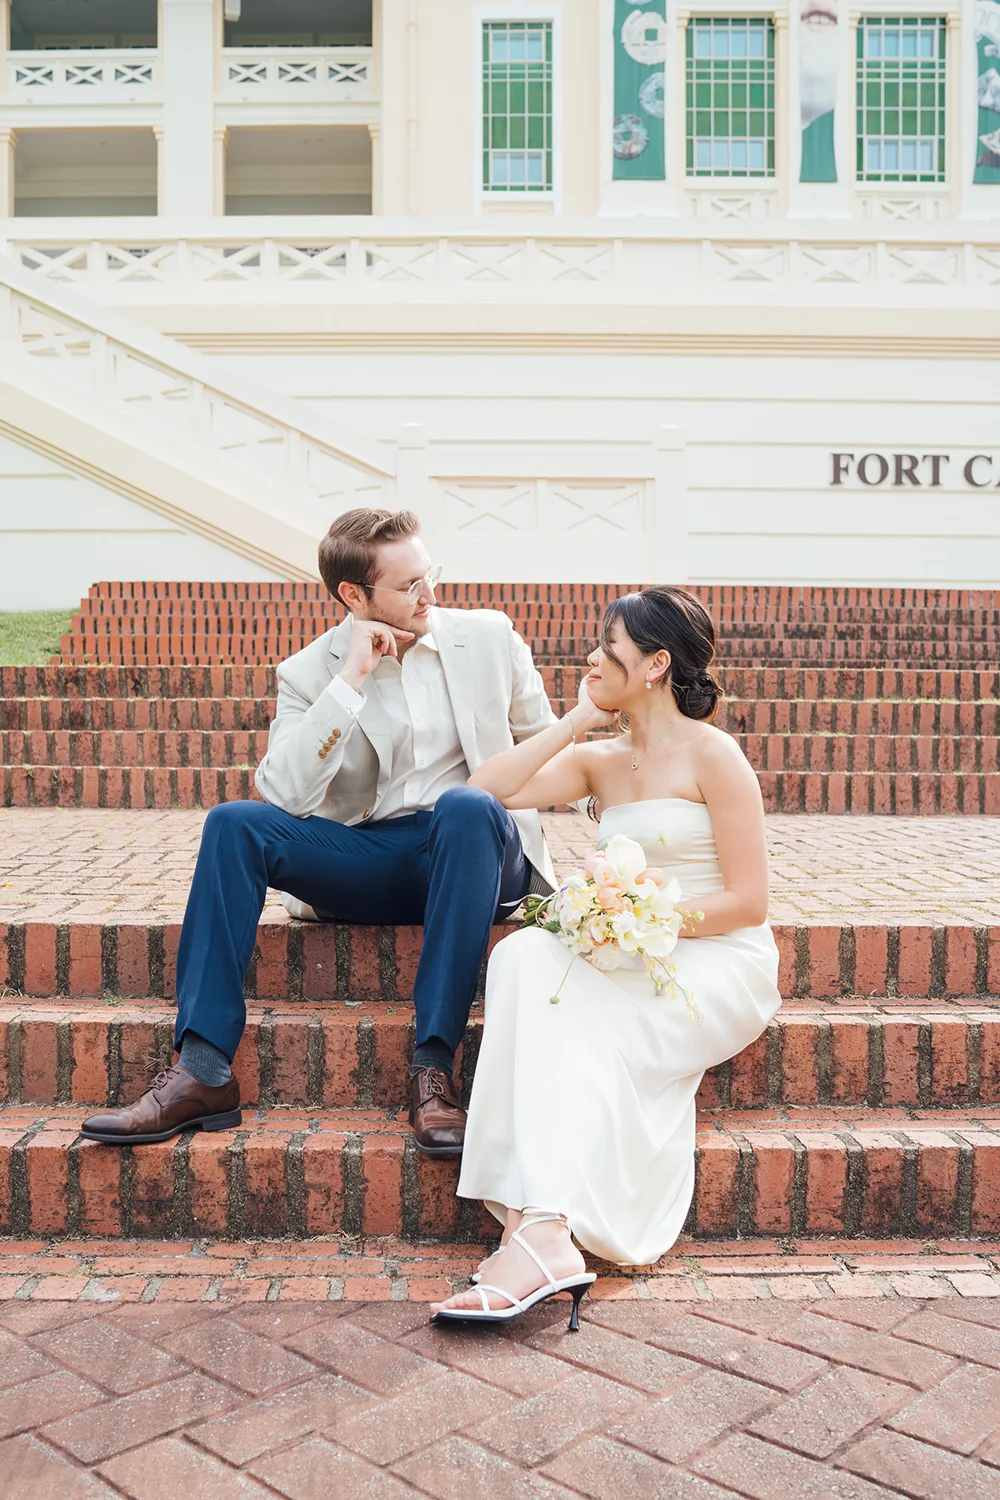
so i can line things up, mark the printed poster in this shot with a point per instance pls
(819, 52)
(640, 52)
(988, 91)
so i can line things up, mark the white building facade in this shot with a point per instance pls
(606, 292)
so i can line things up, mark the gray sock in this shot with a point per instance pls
(204, 1061)
(434, 1053)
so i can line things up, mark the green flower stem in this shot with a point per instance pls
(554, 999)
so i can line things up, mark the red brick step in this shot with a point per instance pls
(789, 791)
(755, 684)
(217, 749)
(329, 961)
(344, 1055)
(809, 1173)
(800, 716)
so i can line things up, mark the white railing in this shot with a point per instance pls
(155, 382)
(726, 200)
(904, 205)
(260, 74)
(520, 510)
(626, 263)
(83, 76)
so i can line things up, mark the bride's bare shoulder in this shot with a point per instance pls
(717, 753)
(604, 751)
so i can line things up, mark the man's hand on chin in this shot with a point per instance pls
(370, 641)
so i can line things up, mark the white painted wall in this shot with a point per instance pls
(760, 505)
(60, 532)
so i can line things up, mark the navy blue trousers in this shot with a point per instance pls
(454, 870)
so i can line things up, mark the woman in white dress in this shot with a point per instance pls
(581, 1127)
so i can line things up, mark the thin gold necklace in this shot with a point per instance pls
(637, 763)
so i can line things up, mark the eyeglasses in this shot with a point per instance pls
(430, 580)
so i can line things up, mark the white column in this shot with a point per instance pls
(412, 107)
(375, 133)
(219, 135)
(669, 562)
(187, 54)
(822, 200)
(781, 94)
(679, 172)
(8, 147)
(959, 168)
(413, 486)
(158, 134)
(854, 207)
(976, 200)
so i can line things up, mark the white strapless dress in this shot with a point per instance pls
(588, 1107)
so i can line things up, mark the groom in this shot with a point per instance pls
(367, 818)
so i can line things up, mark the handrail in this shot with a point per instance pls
(149, 376)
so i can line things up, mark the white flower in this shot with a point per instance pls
(605, 958)
(658, 942)
(626, 858)
(573, 905)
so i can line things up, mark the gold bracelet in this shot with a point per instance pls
(572, 728)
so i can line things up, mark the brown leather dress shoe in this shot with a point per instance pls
(436, 1115)
(176, 1101)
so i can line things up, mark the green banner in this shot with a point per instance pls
(640, 87)
(988, 71)
(819, 48)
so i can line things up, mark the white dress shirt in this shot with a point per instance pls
(427, 756)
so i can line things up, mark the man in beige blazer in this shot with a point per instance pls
(367, 818)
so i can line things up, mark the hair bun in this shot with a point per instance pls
(699, 697)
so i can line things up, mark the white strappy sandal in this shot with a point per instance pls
(575, 1285)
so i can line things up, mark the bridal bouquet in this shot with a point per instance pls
(615, 905)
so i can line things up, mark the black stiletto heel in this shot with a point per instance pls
(574, 1317)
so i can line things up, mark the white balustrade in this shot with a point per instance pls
(904, 205)
(713, 201)
(262, 74)
(79, 77)
(150, 380)
(468, 265)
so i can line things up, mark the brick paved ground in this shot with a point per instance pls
(59, 865)
(355, 1269)
(777, 1398)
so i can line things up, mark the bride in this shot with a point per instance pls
(581, 1128)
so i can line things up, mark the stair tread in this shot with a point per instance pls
(789, 1120)
(833, 1009)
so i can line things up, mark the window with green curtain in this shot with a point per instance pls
(901, 99)
(517, 107)
(730, 97)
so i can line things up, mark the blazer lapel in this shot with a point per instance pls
(373, 720)
(456, 663)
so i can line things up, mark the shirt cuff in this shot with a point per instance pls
(348, 698)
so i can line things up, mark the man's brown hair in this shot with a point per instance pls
(349, 551)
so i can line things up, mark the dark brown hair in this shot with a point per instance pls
(349, 551)
(667, 618)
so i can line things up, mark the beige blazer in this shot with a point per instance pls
(321, 762)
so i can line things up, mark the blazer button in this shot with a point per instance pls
(322, 754)
(335, 735)
(366, 813)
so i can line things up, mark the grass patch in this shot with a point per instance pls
(29, 639)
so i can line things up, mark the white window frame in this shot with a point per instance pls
(498, 13)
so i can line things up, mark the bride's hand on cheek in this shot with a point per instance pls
(587, 715)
